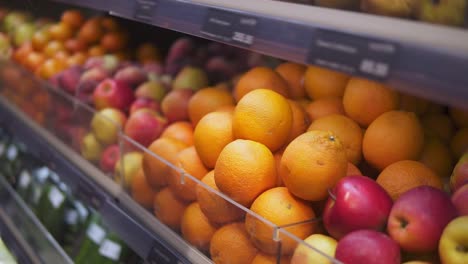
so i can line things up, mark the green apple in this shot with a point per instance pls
(396, 8)
(106, 125)
(453, 244)
(13, 19)
(190, 78)
(5, 47)
(90, 148)
(339, 4)
(153, 89)
(446, 12)
(128, 165)
(325, 244)
(24, 33)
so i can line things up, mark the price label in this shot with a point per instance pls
(12, 152)
(43, 173)
(110, 250)
(96, 233)
(160, 254)
(230, 27)
(24, 179)
(145, 10)
(71, 217)
(370, 58)
(56, 197)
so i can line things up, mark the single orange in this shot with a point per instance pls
(459, 116)
(278, 155)
(405, 175)
(262, 258)
(207, 100)
(322, 83)
(230, 244)
(181, 130)
(141, 191)
(439, 125)
(181, 183)
(313, 163)
(211, 135)
(196, 229)
(459, 143)
(155, 164)
(411, 103)
(352, 170)
(365, 100)
(347, 130)
(324, 107)
(293, 74)
(437, 156)
(168, 209)
(264, 116)
(72, 17)
(393, 136)
(260, 78)
(244, 170)
(300, 121)
(281, 208)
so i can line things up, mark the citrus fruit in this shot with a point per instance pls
(181, 182)
(365, 100)
(195, 227)
(348, 131)
(168, 209)
(281, 208)
(262, 258)
(181, 130)
(278, 155)
(459, 143)
(439, 125)
(321, 83)
(230, 244)
(293, 74)
(217, 209)
(312, 163)
(264, 116)
(459, 116)
(211, 135)
(141, 191)
(405, 175)
(244, 170)
(352, 170)
(437, 156)
(393, 136)
(260, 78)
(207, 100)
(300, 121)
(411, 103)
(324, 107)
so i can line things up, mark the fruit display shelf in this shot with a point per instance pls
(427, 60)
(23, 232)
(53, 125)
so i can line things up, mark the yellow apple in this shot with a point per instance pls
(106, 125)
(323, 243)
(131, 162)
(453, 244)
(90, 148)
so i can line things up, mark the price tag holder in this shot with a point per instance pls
(145, 10)
(56, 197)
(110, 250)
(367, 57)
(230, 27)
(160, 254)
(96, 233)
(24, 179)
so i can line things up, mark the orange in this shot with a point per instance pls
(459, 116)
(263, 116)
(348, 131)
(324, 107)
(300, 120)
(260, 78)
(217, 209)
(180, 130)
(262, 258)
(293, 73)
(365, 100)
(352, 170)
(141, 191)
(279, 180)
(226, 108)
(459, 143)
(73, 18)
(206, 101)
(196, 229)
(411, 103)
(168, 209)
(321, 83)
(281, 208)
(147, 52)
(96, 51)
(393, 136)
(244, 170)
(439, 125)
(164, 150)
(312, 163)
(231, 245)
(183, 185)
(405, 175)
(212, 134)
(436, 155)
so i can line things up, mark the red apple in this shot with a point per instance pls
(367, 246)
(460, 173)
(108, 63)
(418, 218)
(141, 103)
(132, 75)
(90, 79)
(175, 105)
(356, 202)
(144, 126)
(70, 78)
(113, 93)
(460, 200)
(109, 158)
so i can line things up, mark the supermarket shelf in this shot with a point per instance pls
(31, 241)
(422, 59)
(149, 238)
